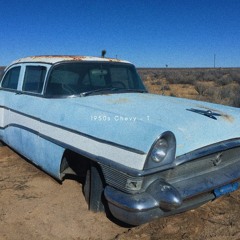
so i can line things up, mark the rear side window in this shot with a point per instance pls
(34, 79)
(11, 78)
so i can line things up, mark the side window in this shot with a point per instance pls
(10, 80)
(34, 79)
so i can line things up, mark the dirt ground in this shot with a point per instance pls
(35, 206)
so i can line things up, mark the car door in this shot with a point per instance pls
(21, 90)
(9, 86)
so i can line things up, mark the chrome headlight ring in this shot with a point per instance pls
(162, 151)
(159, 150)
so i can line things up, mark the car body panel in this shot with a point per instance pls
(97, 116)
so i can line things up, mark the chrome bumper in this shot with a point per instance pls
(162, 199)
(136, 209)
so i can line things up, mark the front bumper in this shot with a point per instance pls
(162, 199)
(140, 208)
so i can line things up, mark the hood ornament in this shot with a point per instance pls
(207, 113)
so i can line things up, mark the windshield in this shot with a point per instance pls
(81, 78)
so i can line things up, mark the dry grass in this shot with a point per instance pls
(213, 85)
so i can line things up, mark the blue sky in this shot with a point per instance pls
(148, 33)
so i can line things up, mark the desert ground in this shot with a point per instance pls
(35, 206)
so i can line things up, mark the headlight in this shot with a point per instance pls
(162, 151)
(159, 151)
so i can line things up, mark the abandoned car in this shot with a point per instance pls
(141, 156)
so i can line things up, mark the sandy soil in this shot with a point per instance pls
(35, 206)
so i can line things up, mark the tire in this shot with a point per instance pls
(93, 189)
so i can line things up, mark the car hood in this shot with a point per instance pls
(136, 120)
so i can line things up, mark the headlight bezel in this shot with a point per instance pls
(168, 152)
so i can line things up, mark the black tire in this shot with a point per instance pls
(93, 189)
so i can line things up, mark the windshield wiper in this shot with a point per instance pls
(113, 89)
(99, 90)
(135, 90)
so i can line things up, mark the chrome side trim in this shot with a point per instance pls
(73, 131)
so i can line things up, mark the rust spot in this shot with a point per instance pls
(113, 60)
(67, 57)
(119, 100)
(223, 115)
(228, 117)
(73, 57)
(58, 58)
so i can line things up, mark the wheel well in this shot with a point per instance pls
(74, 166)
(88, 173)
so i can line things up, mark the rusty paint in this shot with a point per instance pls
(119, 100)
(225, 116)
(114, 60)
(59, 58)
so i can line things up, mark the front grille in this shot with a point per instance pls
(207, 164)
(118, 179)
(181, 176)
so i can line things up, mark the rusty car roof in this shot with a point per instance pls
(59, 58)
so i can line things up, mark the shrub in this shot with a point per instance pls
(235, 74)
(200, 88)
(225, 80)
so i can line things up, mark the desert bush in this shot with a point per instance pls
(201, 88)
(225, 80)
(188, 76)
(212, 92)
(225, 92)
(215, 85)
(234, 97)
(236, 101)
(235, 75)
(165, 87)
(209, 76)
(228, 95)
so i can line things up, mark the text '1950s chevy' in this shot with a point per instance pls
(139, 156)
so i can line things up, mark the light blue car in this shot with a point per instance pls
(139, 156)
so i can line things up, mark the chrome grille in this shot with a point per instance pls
(203, 165)
(117, 178)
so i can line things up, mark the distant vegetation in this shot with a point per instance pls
(219, 85)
